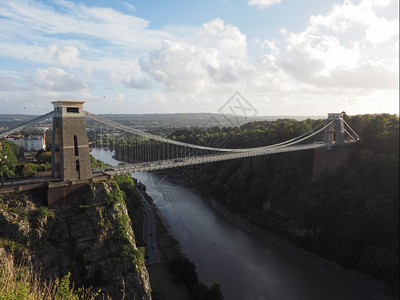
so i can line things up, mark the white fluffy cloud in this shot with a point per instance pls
(180, 67)
(225, 37)
(323, 55)
(56, 79)
(262, 3)
(67, 56)
(215, 56)
(362, 18)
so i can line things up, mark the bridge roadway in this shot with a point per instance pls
(188, 161)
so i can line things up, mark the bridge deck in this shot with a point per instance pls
(182, 162)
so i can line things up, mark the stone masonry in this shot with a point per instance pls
(70, 149)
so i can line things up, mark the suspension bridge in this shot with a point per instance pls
(75, 131)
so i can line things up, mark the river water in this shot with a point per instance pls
(245, 267)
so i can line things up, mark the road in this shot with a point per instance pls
(25, 181)
(153, 251)
(34, 179)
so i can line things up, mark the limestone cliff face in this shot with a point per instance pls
(93, 240)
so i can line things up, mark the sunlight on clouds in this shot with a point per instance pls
(382, 30)
(67, 56)
(320, 54)
(225, 37)
(379, 3)
(329, 59)
(361, 18)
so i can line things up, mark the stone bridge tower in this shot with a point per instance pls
(334, 134)
(70, 150)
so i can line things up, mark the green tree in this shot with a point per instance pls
(24, 170)
(45, 157)
(8, 157)
(184, 271)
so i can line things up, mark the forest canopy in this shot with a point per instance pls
(350, 217)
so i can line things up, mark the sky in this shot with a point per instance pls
(280, 57)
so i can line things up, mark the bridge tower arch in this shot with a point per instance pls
(334, 133)
(70, 149)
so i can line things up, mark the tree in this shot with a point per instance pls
(8, 157)
(184, 271)
(202, 292)
(45, 157)
(8, 154)
(24, 170)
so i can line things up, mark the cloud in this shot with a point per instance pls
(369, 75)
(56, 79)
(261, 4)
(362, 18)
(130, 6)
(130, 82)
(180, 67)
(37, 19)
(211, 58)
(225, 37)
(67, 56)
(7, 83)
(324, 56)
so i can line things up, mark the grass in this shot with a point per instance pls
(19, 282)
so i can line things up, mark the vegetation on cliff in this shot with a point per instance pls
(92, 240)
(20, 282)
(350, 217)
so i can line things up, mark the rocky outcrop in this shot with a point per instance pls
(93, 240)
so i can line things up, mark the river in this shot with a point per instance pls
(245, 267)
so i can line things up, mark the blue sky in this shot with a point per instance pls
(286, 57)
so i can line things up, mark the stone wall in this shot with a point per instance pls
(66, 194)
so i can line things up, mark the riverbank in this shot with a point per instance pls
(324, 265)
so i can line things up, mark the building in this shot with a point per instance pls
(17, 139)
(35, 143)
(70, 149)
(29, 143)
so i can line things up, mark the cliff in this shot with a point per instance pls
(93, 240)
